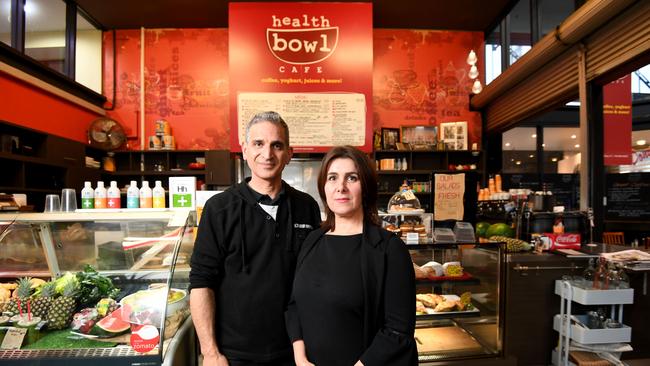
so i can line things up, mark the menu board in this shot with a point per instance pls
(314, 119)
(628, 196)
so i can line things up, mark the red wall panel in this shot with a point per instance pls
(419, 78)
(29, 106)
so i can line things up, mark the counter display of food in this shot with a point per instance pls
(459, 294)
(109, 288)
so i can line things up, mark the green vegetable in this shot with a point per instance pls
(94, 287)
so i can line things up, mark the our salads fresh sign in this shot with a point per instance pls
(297, 52)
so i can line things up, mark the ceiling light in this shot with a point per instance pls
(576, 146)
(518, 162)
(507, 144)
(531, 156)
(471, 58)
(543, 145)
(477, 87)
(640, 142)
(554, 159)
(574, 137)
(534, 135)
(473, 72)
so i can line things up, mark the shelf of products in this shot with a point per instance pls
(418, 168)
(125, 276)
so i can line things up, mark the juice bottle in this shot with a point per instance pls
(100, 195)
(87, 196)
(133, 195)
(113, 196)
(146, 195)
(158, 195)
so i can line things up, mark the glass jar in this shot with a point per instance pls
(404, 200)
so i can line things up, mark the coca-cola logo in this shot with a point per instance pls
(303, 40)
(565, 239)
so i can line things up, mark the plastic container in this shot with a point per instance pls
(100, 195)
(443, 235)
(87, 196)
(464, 231)
(133, 195)
(404, 200)
(113, 199)
(146, 195)
(158, 195)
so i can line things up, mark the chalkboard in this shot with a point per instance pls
(628, 196)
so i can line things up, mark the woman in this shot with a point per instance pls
(353, 299)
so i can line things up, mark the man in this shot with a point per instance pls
(245, 253)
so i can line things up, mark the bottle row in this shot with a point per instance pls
(144, 197)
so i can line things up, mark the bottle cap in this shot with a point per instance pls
(100, 184)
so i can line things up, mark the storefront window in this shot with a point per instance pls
(519, 29)
(493, 60)
(552, 13)
(88, 55)
(641, 83)
(519, 150)
(45, 32)
(561, 150)
(5, 22)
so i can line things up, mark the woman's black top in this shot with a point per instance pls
(328, 292)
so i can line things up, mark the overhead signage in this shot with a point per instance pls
(310, 62)
(617, 120)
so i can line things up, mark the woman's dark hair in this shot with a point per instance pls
(367, 177)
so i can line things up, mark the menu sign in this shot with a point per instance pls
(310, 62)
(449, 192)
(628, 196)
(314, 119)
(617, 122)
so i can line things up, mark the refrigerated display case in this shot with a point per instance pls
(145, 253)
(459, 295)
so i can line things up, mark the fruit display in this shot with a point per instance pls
(500, 229)
(512, 244)
(63, 307)
(106, 306)
(111, 325)
(84, 320)
(481, 229)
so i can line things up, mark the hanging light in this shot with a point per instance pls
(471, 58)
(473, 72)
(477, 87)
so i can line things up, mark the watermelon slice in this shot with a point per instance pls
(110, 326)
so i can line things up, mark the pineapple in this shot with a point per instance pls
(23, 291)
(62, 308)
(41, 305)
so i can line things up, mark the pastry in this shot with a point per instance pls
(419, 307)
(429, 300)
(406, 228)
(436, 268)
(419, 272)
(392, 228)
(452, 269)
(446, 306)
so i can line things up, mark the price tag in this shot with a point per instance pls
(409, 195)
(412, 238)
(14, 338)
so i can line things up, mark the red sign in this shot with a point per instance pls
(617, 119)
(144, 338)
(564, 241)
(296, 52)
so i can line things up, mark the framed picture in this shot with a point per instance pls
(389, 138)
(420, 137)
(454, 135)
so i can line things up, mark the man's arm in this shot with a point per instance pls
(202, 306)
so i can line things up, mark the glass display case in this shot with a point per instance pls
(459, 295)
(139, 258)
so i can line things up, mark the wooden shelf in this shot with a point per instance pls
(163, 173)
(29, 159)
(402, 172)
(7, 189)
